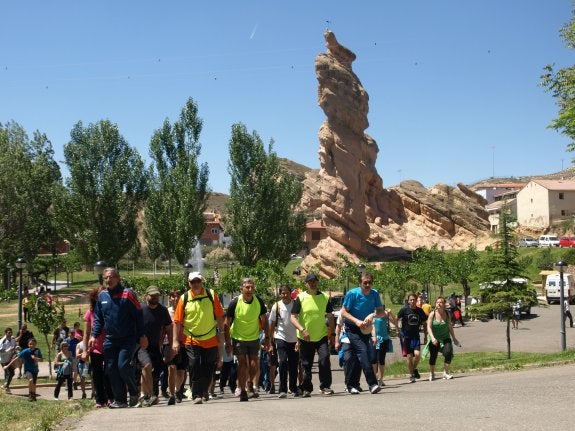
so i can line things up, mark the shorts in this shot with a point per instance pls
(179, 360)
(409, 345)
(250, 348)
(31, 376)
(141, 358)
(83, 369)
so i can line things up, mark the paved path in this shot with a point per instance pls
(471, 401)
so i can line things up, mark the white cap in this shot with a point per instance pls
(194, 275)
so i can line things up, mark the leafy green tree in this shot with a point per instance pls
(46, 318)
(28, 173)
(179, 188)
(501, 268)
(545, 259)
(429, 267)
(98, 208)
(561, 84)
(395, 280)
(263, 196)
(462, 266)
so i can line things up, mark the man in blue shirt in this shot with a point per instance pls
(360, 306)
(118, 311)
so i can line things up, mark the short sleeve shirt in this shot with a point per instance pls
(411, 320)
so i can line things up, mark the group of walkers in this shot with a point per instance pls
(136, 351)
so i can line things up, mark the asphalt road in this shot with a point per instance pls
(539, 398)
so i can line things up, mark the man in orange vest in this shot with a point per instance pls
(201, 315)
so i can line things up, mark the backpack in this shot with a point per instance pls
(209, 295)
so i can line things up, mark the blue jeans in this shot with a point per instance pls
(359, 347)
(8, 375)
(119, 368)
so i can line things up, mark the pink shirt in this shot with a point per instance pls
(98, 346)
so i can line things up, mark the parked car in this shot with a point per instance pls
(567, 241)
(548, 241)
(527, 241)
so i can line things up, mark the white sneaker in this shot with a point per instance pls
(353, 391)
(431, 377)
(447, 376)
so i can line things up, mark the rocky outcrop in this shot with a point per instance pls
(364, 220)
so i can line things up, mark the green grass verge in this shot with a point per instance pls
(488, 361)
(18, 414)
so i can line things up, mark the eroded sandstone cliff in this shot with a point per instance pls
(362, 218)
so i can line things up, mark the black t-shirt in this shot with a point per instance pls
(296, 309)
(154, 320)
(411, 320)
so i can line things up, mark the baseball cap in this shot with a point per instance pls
(195, 275)
(152, 290)
(311, 277)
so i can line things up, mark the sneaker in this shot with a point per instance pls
(353, 391)
(282, 395)
(416, 374)
(375, 389)
(206, 398)
(171, 400)
(306, 394)
(134, 401)
(297, 393)
(447, 376)
(431, 377)
(412, 379)
(189, 394)
(99, 406)
(212, 396)
(198, 400)
(381, 383)
(237, 392)
(154, 400)
(118, 405)
(56, 399)
(243, 396)
(273, 389)
(326, 391)
(179, 396)
(7, 390)
(165, 394)
(253, 394)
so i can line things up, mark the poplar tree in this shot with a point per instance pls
(262, 217)
(98, 207)
(179, 190)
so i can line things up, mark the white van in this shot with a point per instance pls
(548, 241)
(552, 292)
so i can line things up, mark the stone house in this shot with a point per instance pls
(543, 202)
(213, 233)
(315, 231)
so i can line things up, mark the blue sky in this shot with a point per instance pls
(453, 84)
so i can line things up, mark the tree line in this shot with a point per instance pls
(110, 191)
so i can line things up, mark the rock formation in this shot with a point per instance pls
(362, 219)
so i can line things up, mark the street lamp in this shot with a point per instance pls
(99, 268)
(561, 265)
(187, 268)
(20, 264)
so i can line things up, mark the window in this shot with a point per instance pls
(315, 235)
(561, 195)
(215, 230)
(563, 212)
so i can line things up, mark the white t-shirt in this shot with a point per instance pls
(284, 328)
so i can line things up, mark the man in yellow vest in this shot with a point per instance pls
(245, 317)
(308, 315)
(200, 313)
